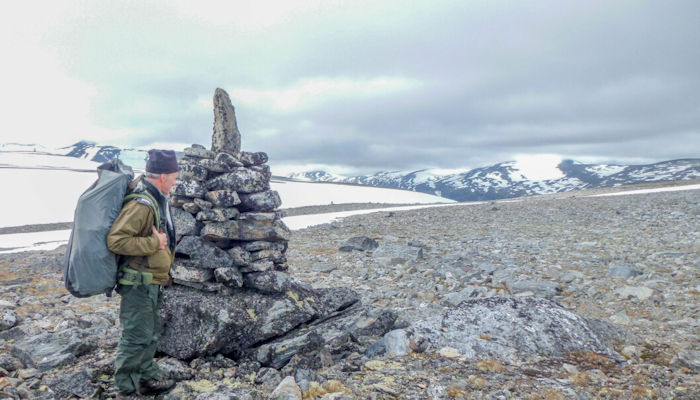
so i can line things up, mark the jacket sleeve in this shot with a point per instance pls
(124, 236)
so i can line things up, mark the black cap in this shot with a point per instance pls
(161, 162)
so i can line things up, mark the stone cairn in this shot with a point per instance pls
(232, 293)
(229, 232)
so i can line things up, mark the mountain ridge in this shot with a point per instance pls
(504, 180)
(498, 181)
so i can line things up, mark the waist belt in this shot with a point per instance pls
(128, 276)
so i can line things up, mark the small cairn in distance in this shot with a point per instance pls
(230, 233)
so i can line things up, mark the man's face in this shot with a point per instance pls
(168, 181)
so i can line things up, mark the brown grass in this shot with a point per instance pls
(581, 378)
(643, 392)
(490, 366)
(548, 394)
(656, 353)
(590, 360)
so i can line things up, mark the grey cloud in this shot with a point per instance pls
(609, 79)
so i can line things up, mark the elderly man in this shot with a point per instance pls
(144, 235)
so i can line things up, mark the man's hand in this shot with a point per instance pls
(162, 238)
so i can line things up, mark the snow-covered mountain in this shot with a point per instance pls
(499, 181)
(101, 153)
(512, 179)
(316, 176)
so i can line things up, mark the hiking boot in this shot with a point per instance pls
(129, 396)
(153, 386)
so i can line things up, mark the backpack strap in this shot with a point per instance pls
(146, 199)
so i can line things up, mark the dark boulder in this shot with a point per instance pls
(362, 243)
(52, 350)
(199, 324)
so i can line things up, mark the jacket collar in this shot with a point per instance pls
(152, 189)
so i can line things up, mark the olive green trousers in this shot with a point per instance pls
(141, 325)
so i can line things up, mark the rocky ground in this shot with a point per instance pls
(629, 262)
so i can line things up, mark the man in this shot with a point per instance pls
(147, 255)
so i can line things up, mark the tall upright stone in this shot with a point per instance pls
(226, 136)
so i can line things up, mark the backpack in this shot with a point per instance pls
(89, 267)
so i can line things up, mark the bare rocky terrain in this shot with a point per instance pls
(626, 268)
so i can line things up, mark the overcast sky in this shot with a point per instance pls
(361, 86)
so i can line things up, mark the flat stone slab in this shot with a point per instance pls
(537, 288)
(240, 180)
(203, 254)
(392, 254)
(184, 272)
(247, 230)
(355, 322)
(223, 198)
(188, 188)
(362, 243)
(52, 350)
(264, 201)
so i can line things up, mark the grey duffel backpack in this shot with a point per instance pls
(90, 268)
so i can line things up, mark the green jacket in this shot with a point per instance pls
(132, 236)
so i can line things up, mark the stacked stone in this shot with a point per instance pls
(230, 233)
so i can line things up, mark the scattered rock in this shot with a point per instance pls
(392, 254)
(448, 352)
(470, 292)
(287, 390)
(689, 359)
(396, 343)
(8, 319)
(537, 288)
(640, 292)
(79, 384)
(362, 243)
(622, 271)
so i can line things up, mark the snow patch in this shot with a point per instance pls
(42, 160)
(50, 240)
(606, 170)
(646, 191)
(538, 167)
(299, 194)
